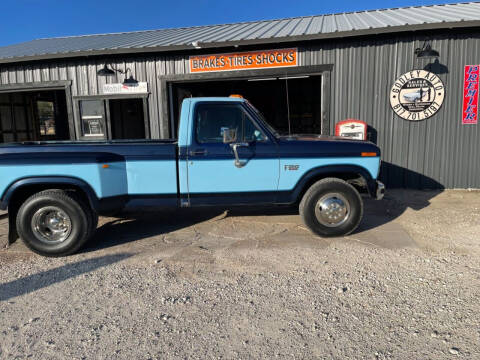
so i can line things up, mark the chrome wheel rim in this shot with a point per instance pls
(51, 225)
(332, 210)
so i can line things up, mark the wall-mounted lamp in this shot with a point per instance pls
(426, 51)
(130, 81)
(106, 71)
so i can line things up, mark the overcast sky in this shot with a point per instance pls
(25, 20)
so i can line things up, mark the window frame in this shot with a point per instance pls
(102, 116)
(108, 128)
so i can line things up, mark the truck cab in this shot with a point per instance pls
(228, 154)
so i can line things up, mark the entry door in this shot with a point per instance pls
(214, 175)
(127, 119)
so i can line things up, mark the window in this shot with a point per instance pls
(92, 114)
(213, 119)
(16, 118)
(46, 117)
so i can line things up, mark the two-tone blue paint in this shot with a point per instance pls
(163, 172)
(289, 178)
(110, 171)
(207, 171)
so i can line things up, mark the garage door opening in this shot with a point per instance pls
(33, 116)
(302, 102)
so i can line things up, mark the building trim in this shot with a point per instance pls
(32, 86)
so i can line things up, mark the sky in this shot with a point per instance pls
(24, 20)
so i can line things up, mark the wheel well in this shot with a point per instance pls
(24, 192)
(353, 178)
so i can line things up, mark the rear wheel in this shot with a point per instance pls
(55, 222)
(331, 207)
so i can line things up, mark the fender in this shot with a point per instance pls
(293, 195)
(49, 180)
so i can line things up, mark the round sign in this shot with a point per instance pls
(417, 95)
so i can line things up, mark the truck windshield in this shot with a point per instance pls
(262, 118)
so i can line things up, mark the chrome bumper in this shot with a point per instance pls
(380, 192)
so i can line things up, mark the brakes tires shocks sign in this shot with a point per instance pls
(417, 95)
(244, 60)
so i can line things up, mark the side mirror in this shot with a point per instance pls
(229, 136)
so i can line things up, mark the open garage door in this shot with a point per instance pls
(278, 98)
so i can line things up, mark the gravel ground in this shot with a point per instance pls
(213, 284)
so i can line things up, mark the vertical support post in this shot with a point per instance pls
(325, 99)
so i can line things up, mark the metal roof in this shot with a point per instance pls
(256, 32)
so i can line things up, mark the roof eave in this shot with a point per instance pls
(224, 44)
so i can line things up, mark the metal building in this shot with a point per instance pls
(305, 74)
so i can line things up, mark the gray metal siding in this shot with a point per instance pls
(433, 152)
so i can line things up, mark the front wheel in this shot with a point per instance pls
(331, 207)
(55, 222)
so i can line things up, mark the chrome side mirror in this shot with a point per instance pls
(238, 163)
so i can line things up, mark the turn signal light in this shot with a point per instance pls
(369, 154)
(105, 166)
(236, 96)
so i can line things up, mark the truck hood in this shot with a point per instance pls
(311, 145)
(316, 137)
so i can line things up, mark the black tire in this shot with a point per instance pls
(81, 220)
(328, 191)
(93, 222)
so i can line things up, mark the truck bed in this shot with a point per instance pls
(111, 168)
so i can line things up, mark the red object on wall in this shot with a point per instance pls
(470, 94)
(356, 129)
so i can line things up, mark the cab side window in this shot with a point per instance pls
(213, 119)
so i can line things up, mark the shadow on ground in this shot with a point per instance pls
(378, 217)
(46, 278)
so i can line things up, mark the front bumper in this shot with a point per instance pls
(380, 190)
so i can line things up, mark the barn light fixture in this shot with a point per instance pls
(426, 51)
(106, 71)
(130, 81)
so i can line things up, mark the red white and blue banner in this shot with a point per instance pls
(470, 95)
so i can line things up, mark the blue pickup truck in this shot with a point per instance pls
(225, 155)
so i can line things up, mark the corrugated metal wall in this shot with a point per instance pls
(436, 152)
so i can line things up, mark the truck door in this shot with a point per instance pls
(246, 170)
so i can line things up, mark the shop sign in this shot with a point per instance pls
(417, 95)
(244, 60)
(139, 88)
(92, 125)
(470, 95)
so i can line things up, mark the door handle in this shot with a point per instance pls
(238, 163)
(198, 152)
